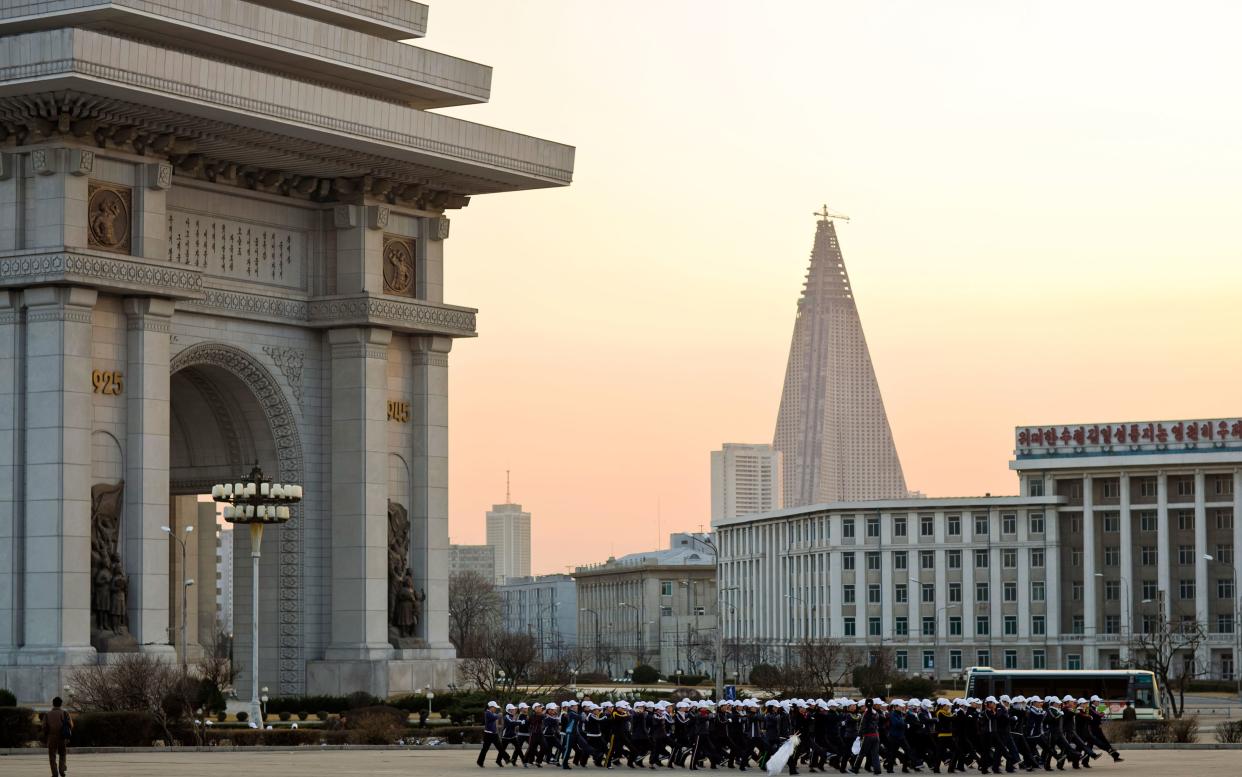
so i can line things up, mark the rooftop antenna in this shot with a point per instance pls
(827, 215)
(659, 531)
(508, 499)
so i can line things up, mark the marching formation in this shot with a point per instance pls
(841, 734)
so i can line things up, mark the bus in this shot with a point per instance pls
(1114, 686)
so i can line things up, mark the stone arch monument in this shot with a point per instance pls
(194, 277)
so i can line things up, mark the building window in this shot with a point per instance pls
(1011, 659)
(929, 659)
(1224, 588)
(873, 560)
(665, 610)
(1147, 556)
(873, 594)
(955, 659)
(1224, 553)
(1075, 524)
(927, 559)
(1010, 591)
(1039, 659)
(847, 561)
(1037, 591)
(1037, 625)
(1147, 486)
(901, 660)
(955, 626)
(873, 627)
(873, 527)
(955, 592)
(955, 525)
(1009, 524)
(1147, 521)
(984, 657)
(848, 625)
(1185, 486)
(1076, 625)
(981, 525)
(954, 557)
(1112, 624)
(847, 528)
(1112, 556)
(929, 593)
(981, 592)
(900, 561)
(1075, 557)
(899, 526)
(1076, 591)
(1186, 554)
(1111, 489)
(847, 594)
(1035, 486)
(982, 626)
(901, 594)
(1186, 520)
(1011, 625)
(1150, 588)
(1009, 558)
(1224, 520)
(700, 610)
(927, 525)
(1036, 523)
(1224, 623)
(901, 626)
(1224, 485)
(1112, 523)
(1037, 557)
(981, 559)
(1073, 661)
(929, 626)
(1112, 590)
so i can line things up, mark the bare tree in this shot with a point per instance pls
(1169, 651)
(826, 664)
(217, 664)
(474, 609)
(136, 681)
(505, 661)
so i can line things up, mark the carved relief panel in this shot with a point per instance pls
(232, 248)
(399, 258)
(109, 217)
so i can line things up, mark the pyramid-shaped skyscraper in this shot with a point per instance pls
(832, 429)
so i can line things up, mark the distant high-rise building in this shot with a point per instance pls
(480, 559)
(831, 428)
(508, 531)
(745, 479)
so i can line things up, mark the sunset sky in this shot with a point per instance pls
(1044, 200)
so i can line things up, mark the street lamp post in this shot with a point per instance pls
(596, 614)
(256, 501)
(186, 582)
(638, 631)
(430, 695)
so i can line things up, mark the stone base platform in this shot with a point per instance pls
(408, 671)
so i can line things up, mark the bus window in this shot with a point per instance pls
(1143, 697)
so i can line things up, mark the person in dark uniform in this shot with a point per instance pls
(491, 716)
(1096, 729)
(57, 730)
(869, 732)
(593, 731)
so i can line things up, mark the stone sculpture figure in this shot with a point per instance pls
(109, 585)
(119, 623)
(404, 603)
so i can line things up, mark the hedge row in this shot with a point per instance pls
(18, 726)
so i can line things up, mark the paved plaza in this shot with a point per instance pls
(390, 763)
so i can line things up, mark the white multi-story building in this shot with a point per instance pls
(479, 559)
(745, 479)
(508, 531)
(545, 607)
(1116, 526)
(832, 428)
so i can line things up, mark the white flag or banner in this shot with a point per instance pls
(776, 764)
(856, 748)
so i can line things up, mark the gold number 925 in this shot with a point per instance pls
(107, 381)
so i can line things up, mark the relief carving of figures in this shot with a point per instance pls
(109, 585)
(404, 602)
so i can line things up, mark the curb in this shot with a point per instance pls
(30, 751)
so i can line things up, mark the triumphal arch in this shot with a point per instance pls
(222, 241)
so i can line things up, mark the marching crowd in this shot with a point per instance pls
(1037, 732)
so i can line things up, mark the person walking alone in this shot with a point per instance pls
(57, 730)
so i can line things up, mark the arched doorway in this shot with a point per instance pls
(228, 412)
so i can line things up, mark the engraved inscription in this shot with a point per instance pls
(108, 217)
(236, 249)
(398, 266)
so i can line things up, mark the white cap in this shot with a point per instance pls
(1019, 699)
(1095, 698)
(898, 702)
(1005, 698)
(492, 704)
(523, 705)
(1067, 697)
(990, 700)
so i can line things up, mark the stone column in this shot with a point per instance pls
(1089, 616)
(1202, 594)
(1162, 544)
(10, 493)
(1052, 574)
(1127, 569)
(203, 630)
(1237, 571)
(57, 489)
(147, 397)
(359, 439)
(429, 502)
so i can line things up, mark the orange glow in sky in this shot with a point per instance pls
(1043, 201)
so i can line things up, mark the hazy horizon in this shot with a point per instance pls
(1041, 232)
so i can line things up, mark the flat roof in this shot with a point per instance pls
(913, 504)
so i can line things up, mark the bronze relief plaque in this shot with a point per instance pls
(398, 265)
(109, 217)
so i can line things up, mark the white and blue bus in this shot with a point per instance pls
(1114, 686)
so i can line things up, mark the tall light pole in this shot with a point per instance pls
(186, 582)
(596, 614)
(638, 631)
(256, 501)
